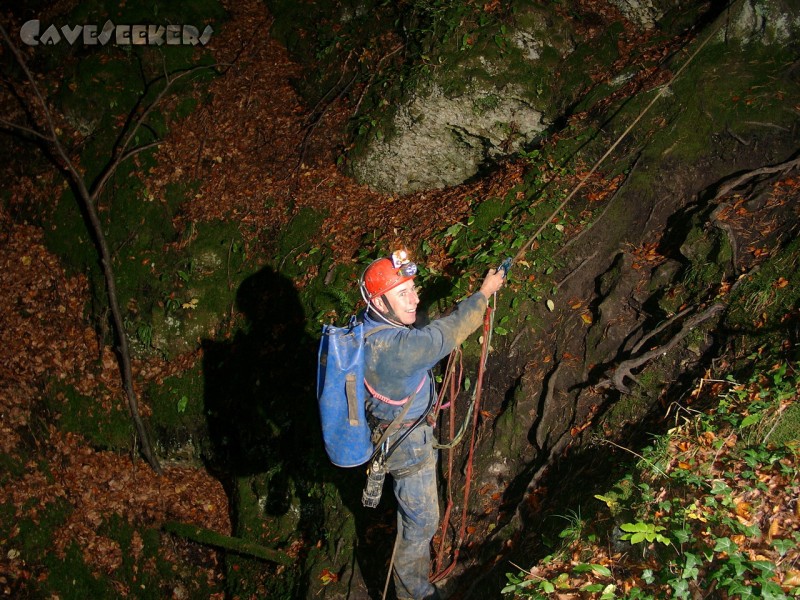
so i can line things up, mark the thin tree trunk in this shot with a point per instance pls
(88, 200)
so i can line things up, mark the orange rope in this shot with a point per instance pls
(442, 573)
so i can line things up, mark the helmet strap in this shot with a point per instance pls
(389, 316)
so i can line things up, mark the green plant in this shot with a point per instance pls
(528, 585)
(701, 495)
(144, 333)
(575, 526)
(639, 532)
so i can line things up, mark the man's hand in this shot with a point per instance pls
(492, 282)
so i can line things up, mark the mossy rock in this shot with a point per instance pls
(179, 416)
(332, 297)
(71, 577)
(245, 574)
(632, 408)
(510, 435)
(708, 252)
(298, 237)
(197, 288)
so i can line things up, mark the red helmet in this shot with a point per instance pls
(384, 274)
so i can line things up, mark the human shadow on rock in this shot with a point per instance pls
(258, 394)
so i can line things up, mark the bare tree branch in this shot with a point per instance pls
(88, 199)
(372, 77)
(120, 152)
(21, 128)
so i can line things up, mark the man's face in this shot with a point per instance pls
(404, 300)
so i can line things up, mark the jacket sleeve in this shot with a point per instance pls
(422, 348)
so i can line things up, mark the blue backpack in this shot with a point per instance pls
(341, 393)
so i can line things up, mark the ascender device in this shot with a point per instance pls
(505, 266)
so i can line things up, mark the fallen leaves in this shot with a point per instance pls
(646, 254)
(99, 484)
(44, 334)
(326, 577)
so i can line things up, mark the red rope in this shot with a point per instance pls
(455, 382)
(442, 573)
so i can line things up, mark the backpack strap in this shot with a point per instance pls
(393, 427)
(378, 328)
(395, 424)
(373, 391)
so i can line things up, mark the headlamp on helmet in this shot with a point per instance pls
(403, 264)
(385, 274)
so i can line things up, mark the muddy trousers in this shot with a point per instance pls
(413, 469)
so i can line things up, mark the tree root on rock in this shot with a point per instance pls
(626, 367)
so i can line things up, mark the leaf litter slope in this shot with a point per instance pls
(45, 338)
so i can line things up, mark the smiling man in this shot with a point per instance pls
(398, 359)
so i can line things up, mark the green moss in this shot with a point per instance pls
(183, 295)
(673, 298)
(724, 88)
(178, 397)
(485, 103)
(11, 466)
(334, 301)
(66, 235)
(143, 566)
(759, 302)
(509, 428)
(35, 538)
(185, 107)
(786, 427)
(71, 577)
(300, 231)
(709, 254)
(179, 415)
(297, 237)
(484, 216)
(216, 265)
(631, 408)
(83, 415)
(244, 573)
(576, 70)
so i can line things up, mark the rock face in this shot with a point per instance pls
(442, 134)
(645, 13)
(482, 103)
(441, 141)
(767, 22)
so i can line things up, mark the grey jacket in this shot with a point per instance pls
(397, 359)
